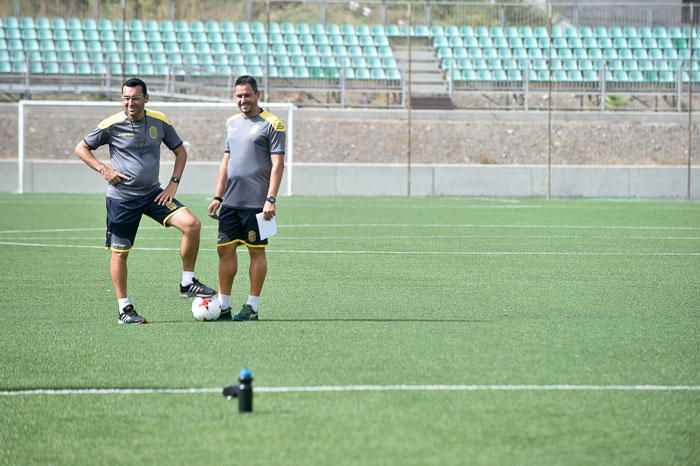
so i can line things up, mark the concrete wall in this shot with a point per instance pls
(644, 182)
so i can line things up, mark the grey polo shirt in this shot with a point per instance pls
(250, 142)
(134, 149)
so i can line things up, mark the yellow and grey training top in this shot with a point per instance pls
(250, 142)
(134, 149)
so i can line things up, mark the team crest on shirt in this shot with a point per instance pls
(278, 126)
(252, 236)
(153, 131)
(255, 128)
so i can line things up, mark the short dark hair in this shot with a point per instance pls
(133, 82)
(245, 79)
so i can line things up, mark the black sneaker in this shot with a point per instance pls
(225, 314)
(247, 313)
(128, 315)
(196, 289)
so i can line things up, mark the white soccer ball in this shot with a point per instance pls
(206, 309)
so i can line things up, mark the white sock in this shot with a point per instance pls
(225, 301)
(186, 278)
(123, 303)
(253, 301)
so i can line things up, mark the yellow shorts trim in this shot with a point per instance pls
(165, 220)
(240, 241)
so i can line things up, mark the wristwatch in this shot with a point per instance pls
(175, 179)
(271, 199)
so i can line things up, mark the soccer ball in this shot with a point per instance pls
(206, 309)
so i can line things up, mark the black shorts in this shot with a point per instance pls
(124, 216)
(239, 226)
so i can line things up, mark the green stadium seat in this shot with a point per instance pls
(620, 76)
(66, 68)
(674, 32)
(610, 54)
(615, 32)
(513, 42)
(467, 31)
(19, 67)
(83, 68)
(28, 34)
(316, 72)
(26, 22)
(212, 26)
(182, 26)
(42, 34)
(636, 42)
(78, 46)
(646, 65)
(605, 43)
(165, 25)
(560, 76)
(301, 72)
(286, 72)
(666, 43)
(575, 76)
(640, 54)
(670, 54)
(56, 24)
(629, 32)
(46, 55)
(505, 53)
(321, 39)
(643, 32)
(197, 26)
(51, 68)
(131, 25)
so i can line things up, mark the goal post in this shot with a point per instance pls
(59, 125)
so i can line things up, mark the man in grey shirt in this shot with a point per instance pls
(134, 137)
(249, 178)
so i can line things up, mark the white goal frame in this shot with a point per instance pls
(289, 127)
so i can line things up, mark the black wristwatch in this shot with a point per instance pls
(271, 199)
(175, 179)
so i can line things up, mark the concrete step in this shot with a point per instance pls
(431, 102)
(435, 77)
(428, 89)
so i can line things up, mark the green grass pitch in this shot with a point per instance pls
(362, 292)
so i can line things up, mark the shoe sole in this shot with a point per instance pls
(144, 321)
(197, 295)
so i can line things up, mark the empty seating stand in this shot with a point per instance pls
(288, 50)
(195, 48)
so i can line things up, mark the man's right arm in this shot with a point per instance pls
(110, 175)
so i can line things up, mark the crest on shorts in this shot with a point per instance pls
(153, 131)
(171, 205)
(252, 236)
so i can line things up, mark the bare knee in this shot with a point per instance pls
(186, 222)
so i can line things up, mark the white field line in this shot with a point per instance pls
(402, 237)
(361, 388)
(394, 253)
(398, 225)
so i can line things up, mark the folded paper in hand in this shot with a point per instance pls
(267, 228)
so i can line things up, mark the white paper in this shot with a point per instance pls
(267, 228)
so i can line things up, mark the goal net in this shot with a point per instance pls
(49, 130)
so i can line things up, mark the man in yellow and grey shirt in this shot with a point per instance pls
(249, 178)
(134, 137)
